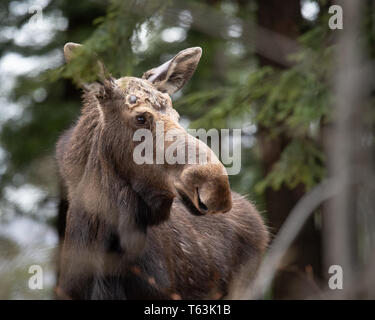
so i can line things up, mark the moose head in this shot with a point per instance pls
(120, 108)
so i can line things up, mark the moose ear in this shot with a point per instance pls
(172, 75)
(69, 50)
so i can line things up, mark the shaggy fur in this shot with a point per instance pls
(149, 231)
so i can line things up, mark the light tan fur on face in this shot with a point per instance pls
(147, 95)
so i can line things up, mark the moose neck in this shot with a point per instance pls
(123, 212)
(107, 232)
(105, 193)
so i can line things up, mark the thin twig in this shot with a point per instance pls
(288, 232)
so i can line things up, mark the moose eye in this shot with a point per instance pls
(141, 119)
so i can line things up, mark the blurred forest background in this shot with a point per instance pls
(301, 93)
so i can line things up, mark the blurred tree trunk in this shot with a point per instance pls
(303, 262)
(349, 161)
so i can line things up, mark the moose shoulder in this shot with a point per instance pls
(152, 230)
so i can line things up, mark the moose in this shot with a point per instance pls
(149, 231)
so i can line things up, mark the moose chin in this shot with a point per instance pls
(149, 231)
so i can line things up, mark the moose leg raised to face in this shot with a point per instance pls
(149, 230)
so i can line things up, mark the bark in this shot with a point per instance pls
(347, 163)
(296, 277)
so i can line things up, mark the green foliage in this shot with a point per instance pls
(112, 41)
(300, 163)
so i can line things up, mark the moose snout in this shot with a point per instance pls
(214, 195)
(205, 188)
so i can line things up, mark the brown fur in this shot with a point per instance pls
(148, 231)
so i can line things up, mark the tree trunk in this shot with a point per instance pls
(296, 278)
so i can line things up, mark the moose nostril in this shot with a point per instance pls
(201, 205)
